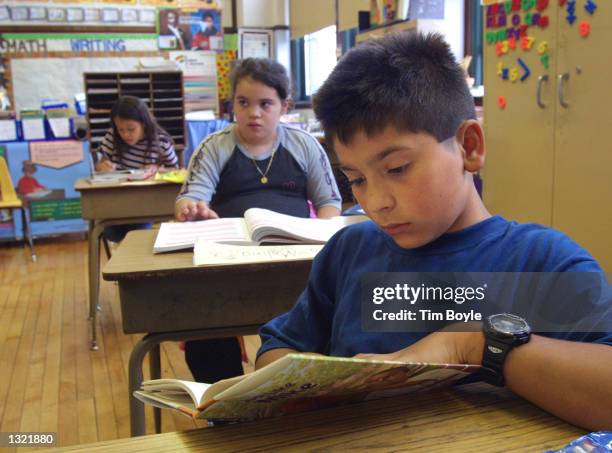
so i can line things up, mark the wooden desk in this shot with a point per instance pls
(169, 299)
(104, 205)
(472, 418)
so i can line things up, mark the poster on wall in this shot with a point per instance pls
(386, 11)
(190, 30)
(20, 13)
(206, 32)
(172, 34)
(4, 13)
(199, 79)
(38, 13)
(75, 14)
(56, 14)
(48, 190)
(56, 154)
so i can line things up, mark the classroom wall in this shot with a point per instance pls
(226, 15)
(262, 13)
(303, 21)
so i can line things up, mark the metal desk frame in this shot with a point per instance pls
(169, 299)
(119, 204)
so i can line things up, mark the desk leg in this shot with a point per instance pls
(155, 371)
(94, 277)
(148, 343)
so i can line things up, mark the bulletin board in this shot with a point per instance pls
(35, 78)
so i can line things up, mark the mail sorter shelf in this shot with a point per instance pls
(162, 92)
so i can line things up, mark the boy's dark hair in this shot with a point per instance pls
(133, 108)
(205, 15)
(406, 80)
(264, 70)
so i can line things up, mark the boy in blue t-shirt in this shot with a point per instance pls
(402, 123)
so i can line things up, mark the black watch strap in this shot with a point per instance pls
(493, 359)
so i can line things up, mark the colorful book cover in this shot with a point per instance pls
(299, 383)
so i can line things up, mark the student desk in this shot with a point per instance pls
(474, 417)
(115, 204)
(169, 299)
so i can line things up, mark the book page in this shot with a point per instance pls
(206, 253)
(181, 402)
(172, 387)
(269, 226)
(183, 235)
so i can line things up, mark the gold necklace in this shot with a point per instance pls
(264, 177)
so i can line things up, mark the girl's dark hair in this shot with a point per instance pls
(406, 80)
(133, 108)
(264, 70)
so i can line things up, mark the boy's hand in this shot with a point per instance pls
(439, 347)
(186, 210)
(106, 165)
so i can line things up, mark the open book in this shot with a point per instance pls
(298, 383)
(118, 176)
(257, 226)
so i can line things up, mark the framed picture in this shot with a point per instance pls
(75, 15)
(205, 29)
(110, 15)
(56, 14)
(4, 13)
(255, 43)
(19, 13)
(147, 16)
(92, 15)
(129, 15)
(38, 13)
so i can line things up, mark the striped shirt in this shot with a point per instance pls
(136, 156)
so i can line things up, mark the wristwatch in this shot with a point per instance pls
(502, 332)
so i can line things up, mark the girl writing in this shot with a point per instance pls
(135, 140)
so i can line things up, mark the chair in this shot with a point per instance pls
(10, 200)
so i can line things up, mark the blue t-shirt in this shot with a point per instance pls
(327, 315)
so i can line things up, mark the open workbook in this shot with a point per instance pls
(207, 253)
(298, 383)
(118, 176)
(257, 226)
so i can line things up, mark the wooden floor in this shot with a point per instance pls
(49, 379)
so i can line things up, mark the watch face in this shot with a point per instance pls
(508, 323)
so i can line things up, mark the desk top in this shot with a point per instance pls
(134, 258)
(83, 184)
(139, 201)
(474, 417)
